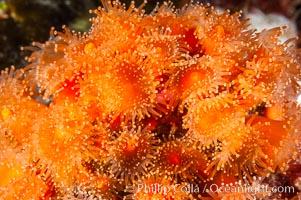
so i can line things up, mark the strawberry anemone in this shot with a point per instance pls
(275, 138)
(27, 187)
(199, 78)
(161, 46)
(98, 145)
(207, 119)
(61, 140)
(274, 68)
(213, 124)
(21, 178)
(131, 154)
(243, 145)
(18, 111)
(225, 34)
(11, 167)
(116, 19)
(126, 86)
(54, 62)
(173, 160)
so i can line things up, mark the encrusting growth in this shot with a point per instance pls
(174, 99)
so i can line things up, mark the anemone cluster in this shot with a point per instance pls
(152, 106)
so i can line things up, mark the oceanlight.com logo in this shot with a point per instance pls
(251, 191)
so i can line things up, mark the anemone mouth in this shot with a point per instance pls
(133, 90)
(161, 46)
(173, 160)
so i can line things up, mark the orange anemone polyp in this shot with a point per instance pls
(126, 88)
(174, 159)
(191, 80)
(9, 173)
(211, 44)
(30, 185)
(128, 146)
(208, 121)
(131, 153)
(272, 130)
(131, 93)
(208, 124)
